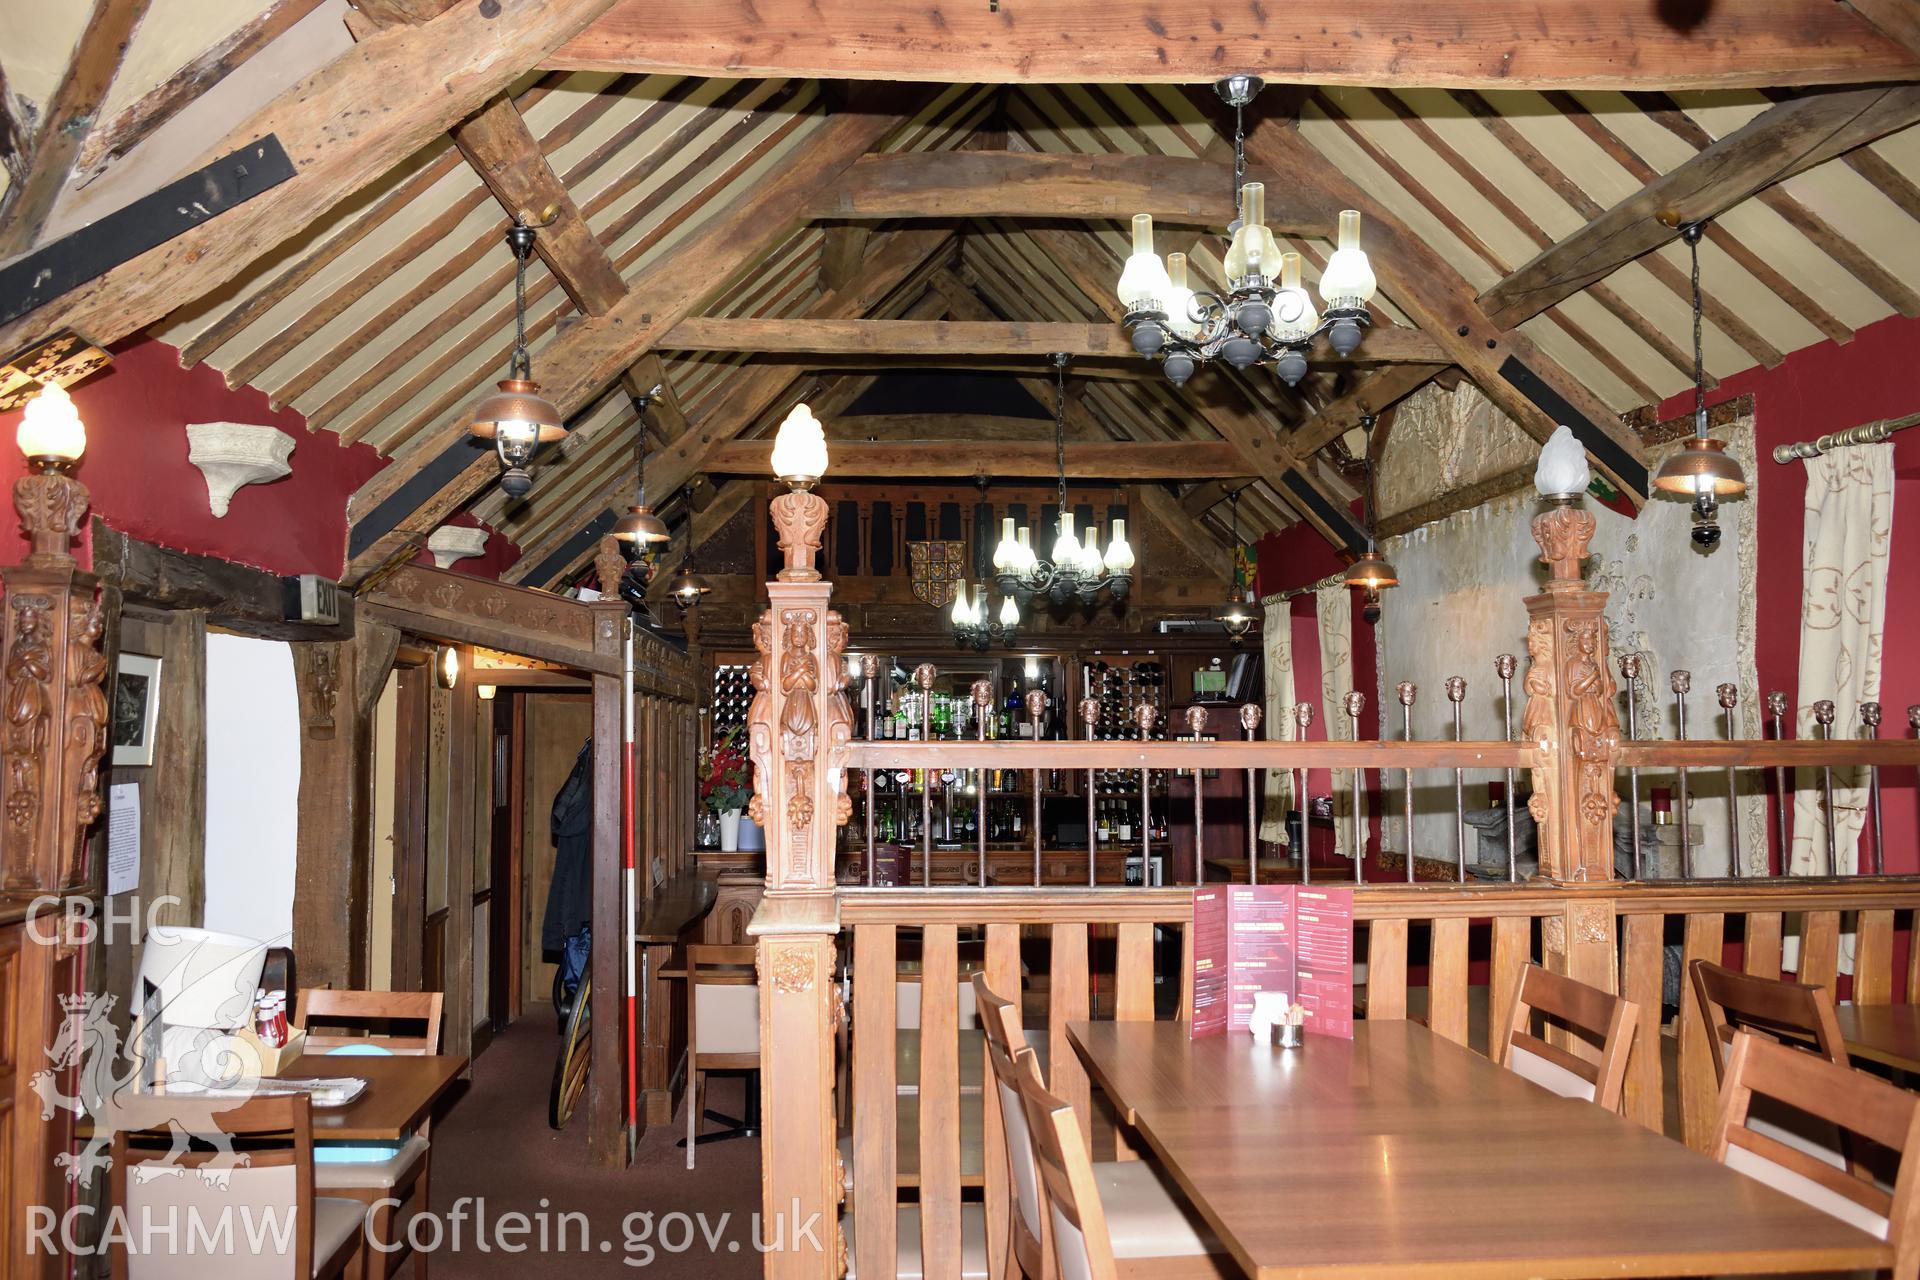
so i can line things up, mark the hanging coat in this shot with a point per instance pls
(570, 894)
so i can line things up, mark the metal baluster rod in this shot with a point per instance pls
(869, 671)
(1457, 695)
(1144, 716)
(1356, 703)
(923, 676)
(1823, 715)
(1250, 725)
(982, 699)
(1630, 672)
(1783, 798)
(1197, 726)
(1036, 711)
(1406, 691)
(1870, 721)
(1729, 698)
(1303, 719)
(1504, 666)
(1089, 715)
(1681, 683)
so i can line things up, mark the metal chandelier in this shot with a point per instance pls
(1265, 315)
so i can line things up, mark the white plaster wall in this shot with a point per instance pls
(253, 786)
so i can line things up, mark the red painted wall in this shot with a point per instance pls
(136, 468)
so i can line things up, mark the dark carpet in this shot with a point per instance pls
(494, 1155)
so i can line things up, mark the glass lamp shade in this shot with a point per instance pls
(1027, 558)
(1090, 561)
(1066, 547)
(688, 587)
(50, 429)
(1348, 283)
(800, 448)
(1179, 299)
(446, 667)
(517, 414)
(1254, 252)
(1703, 467)
(1006, 553)
(1294, 318)
(1143, 281)
(640, 526)
(1119, 550)
(1009, 612)
(1371, 572)
(962, 613)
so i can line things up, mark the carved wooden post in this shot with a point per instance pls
(798, 730)
(1571, 718)
(53, 728)
(607, 1135)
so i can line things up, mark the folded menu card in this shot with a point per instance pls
(1293, 939)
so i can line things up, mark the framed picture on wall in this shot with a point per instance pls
(136, 708)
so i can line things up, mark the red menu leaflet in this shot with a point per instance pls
(1279, 937)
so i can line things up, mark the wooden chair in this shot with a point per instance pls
(1076, 1218)
(403, 1175)
(1732, 1001)
(1606, 1020)
(276, 1180)
(1854, 1102)
(723, 1034)
(1154, 1234)
(373, 1014)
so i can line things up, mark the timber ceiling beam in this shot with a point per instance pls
(1374, 396)
(347, 124)
(1134, 461)
(68, 119)
(397, 508)
(1780, 142)
(1516, 375)
(1480, 44)
(947, 339)
(975, 427)
(1025, 184)
(1898, 20)
(843, 249)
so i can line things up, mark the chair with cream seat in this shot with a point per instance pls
(1605, 1020)
(723, 1034)
(155, 1179)
(370, 1023)
(1859, 1105)
(1146, 1225)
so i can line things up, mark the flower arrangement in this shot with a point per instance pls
(726, 784)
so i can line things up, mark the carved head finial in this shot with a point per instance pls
(799, 519)
(1728, 695)
(1630, 666)
(1823, 713)
(1456, 688)
(1681, 681)
(609, 566)
(1303, 716)
(1196, 720)
(924, 674)
(1776, 704)
(1356, 702)
(982, 692)
(1870, 716)
(1913, 718)
(869, 666)
(1036, 704)
(1505, 665)
(1145, 715)
(1089, 709)
(1250, 717)
(1405, 691)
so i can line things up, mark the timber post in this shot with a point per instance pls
(1571, 717)
(608, 1133)
(798, 730)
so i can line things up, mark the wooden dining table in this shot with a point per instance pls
(1400, 1153)
(1885, 1033)
(401, 1093)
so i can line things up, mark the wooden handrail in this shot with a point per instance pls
(1798, 752)
(1185, 755)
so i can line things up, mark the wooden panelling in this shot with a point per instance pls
(1387, 969)
(1447, 980)
(1642, 966)
(939, 1101)
(1705, 938)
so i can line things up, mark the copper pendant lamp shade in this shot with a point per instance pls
(518, 400)
(640, 526)
(1371, 572)
(688, 587)
(1702, 467)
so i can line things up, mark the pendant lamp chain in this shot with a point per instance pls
(521, 365)
(1060, 424)
(1691, 234)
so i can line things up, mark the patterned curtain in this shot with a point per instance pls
(1849, 522)
(1277, 635)
(1333, 607)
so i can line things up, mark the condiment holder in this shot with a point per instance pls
(1276, 1020)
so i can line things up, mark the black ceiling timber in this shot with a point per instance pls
(411, 496)
(1612, 456)
(34, 279)
(569, 551)
(1330, 514)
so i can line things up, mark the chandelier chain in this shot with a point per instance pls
(522, 362)
(1060, 427)
(1692, 236)
(1239, 160)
